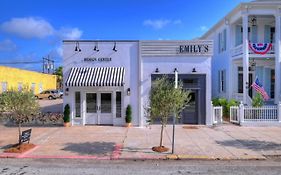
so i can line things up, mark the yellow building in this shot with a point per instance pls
(13, 78)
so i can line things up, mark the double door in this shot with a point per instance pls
(99, 108)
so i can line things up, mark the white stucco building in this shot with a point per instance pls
(246, 46)
(102, 77)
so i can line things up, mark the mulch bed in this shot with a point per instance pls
(20, 149)
(190, 127)
(160, 149)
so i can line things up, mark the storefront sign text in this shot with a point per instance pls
(97, 59)
(194, 49)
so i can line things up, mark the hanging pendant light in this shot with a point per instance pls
(114, 47)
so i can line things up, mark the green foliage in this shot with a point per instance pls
(19, 107)
(128, 117)
(66, 113)
(225, 104)
(165, 99)
(58, 72)
(257, 100)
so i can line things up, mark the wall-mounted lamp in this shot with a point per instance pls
(157, 70)
(114, 47)
(247, 85)
(67, 89)
(194, 70)
(254, 21)
(96, 48)
(226, 21)
(77, 47)
(175, 70)
(128, 91)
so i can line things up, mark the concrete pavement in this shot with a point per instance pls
(110, 142)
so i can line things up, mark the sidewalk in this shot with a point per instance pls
(223, 142)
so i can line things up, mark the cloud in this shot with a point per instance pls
(70, 33)
(160, 23)
(7, 45)
(204, 28)
(34, 27)
(28, 27)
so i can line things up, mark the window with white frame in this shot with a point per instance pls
(4, 86)
(222, 41)
(118, 104)
(33, 87)
(77, 104)
(222, 81)
(19, 87)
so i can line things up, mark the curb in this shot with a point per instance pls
(204, 157)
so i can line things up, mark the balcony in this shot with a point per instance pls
(238, 52)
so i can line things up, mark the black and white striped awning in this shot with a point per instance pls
(96, 76)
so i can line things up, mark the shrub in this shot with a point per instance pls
(128, 117)
(66, 114)
(225, 104)
(257, 101)
(20, 107)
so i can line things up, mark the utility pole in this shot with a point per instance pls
(48, 65)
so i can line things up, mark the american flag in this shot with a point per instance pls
(259, 88)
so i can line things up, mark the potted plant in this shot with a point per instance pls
(128, 117)
(66, 116)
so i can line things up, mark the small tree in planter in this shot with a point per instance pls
(19, 106)
(164, 100)
(128, 117)
(66, 115)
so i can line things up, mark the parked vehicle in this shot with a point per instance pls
(50, 94)
(60, 93)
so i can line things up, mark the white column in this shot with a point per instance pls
(229, 45)
(245, 58)
(277, 58)
(279, 111)
(241, 113)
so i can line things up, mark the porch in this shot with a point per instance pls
(259, 67)
(255, 52)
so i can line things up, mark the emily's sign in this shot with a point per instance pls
(194, 48)
(96, 59)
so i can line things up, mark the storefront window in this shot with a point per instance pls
(91, 100)
(106, 103)
(118, 105)
(77, 104)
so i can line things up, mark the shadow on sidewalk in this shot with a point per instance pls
(141, 150)
(254, 145)
(90, 148)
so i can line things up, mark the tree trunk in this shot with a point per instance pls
(19, 130)
(161, 136)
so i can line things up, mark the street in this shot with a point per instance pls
(171, 167)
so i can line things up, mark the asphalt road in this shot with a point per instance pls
(122, 167)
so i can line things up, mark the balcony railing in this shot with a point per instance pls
(238, 51)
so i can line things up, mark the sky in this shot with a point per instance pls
(33, 29)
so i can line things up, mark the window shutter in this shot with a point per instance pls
(254, 36)
(224, 39)
(219, 78)
(267, 34)
(224, 80)
(238, 35)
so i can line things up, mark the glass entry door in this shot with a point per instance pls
(105, 109)
(99, 108)
(91, 108)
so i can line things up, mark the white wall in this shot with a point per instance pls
(126, 56)
(166, 65)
